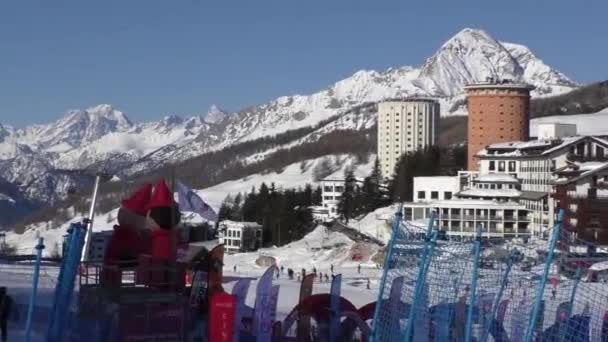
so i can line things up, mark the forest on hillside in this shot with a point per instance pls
(586, 99)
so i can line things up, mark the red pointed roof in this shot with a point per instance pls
(162, 196)
(138, 202)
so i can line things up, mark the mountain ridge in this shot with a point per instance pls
(104, 137)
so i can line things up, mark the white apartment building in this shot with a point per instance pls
(534, 163)
(405, 125)
(332, 189)
(436, 188)
(461, 217)
(240, 236)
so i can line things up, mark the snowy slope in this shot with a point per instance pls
(102, 137)
(591, 124)
(293, 176)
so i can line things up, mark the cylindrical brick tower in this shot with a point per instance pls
(498, 112)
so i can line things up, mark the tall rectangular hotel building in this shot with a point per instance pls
(405, 125)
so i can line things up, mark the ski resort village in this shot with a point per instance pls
(463, 199)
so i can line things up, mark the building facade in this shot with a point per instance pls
(436, 188)
(240, 236)
(461, 217)
(405, 125)
(498, 112)
(332, 189)
(581, 190)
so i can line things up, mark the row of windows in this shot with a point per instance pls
(233, 243)
(493, 186)
(331, 198)
(234, 233)
(435, 195)
(501, 166)
(337, 188)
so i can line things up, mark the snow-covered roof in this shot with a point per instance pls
(240, 224)
(467, 203)
(587, 169)
(520, 148)
(496, 177)
(490, 193)
(599, 266)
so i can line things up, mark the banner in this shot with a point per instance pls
(502, 310)
(334, 325)
(262, 328)
(274, 300)
(421, 323)
(240, 290)
(214, 275)
(303, 332)
(198, 293)
(223, 308)
(155, 322)
(190, 201)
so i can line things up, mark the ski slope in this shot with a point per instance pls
(586, 124)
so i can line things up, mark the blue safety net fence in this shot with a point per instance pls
(550, 288)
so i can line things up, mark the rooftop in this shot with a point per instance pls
(490, 193)
(532, 147)
(496, 178)
(499, 84)
(410, 99)
(240, 224)
(468, 203)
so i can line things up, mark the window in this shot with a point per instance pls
(501, 166)
(328, 198)
(421, 195)
(328, 188)
(339, 189)
(599, 152)
(493, 186)
(447, 195)
(492, 166)
(511, 166)
(434, 194)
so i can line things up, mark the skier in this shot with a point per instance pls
(290, 273)
(368, 284)
(332, 268)
(234, 268)
(327, 278)
(278, 274)
(6, 308)
(314, 270)
(303, 272)
(359, 269)
(281, 268)
(320, 277)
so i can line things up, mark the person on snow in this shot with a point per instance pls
(163, 217)
(7, 308)
(359, 268)
(127, 242)
(327, 278)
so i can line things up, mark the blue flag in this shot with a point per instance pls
(262, 324)
(190, 201)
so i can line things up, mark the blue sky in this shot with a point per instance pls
(150, 58)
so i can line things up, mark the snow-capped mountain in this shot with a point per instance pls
(215, 115)
(102, 137)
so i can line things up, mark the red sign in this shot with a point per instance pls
(223, 308)
(152, 322)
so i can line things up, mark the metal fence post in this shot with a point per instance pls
(30, 310)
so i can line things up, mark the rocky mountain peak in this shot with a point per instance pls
(215, 115)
